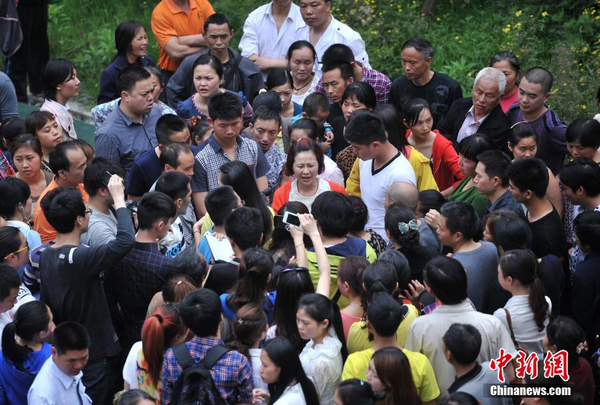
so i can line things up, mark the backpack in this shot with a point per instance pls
(11, 35)
(196, 377)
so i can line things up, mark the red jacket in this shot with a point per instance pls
(444, 162)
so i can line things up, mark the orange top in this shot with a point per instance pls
(170, 21)
(40, 224)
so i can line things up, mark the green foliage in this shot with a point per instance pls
(561, 36)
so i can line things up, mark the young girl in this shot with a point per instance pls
(354, 392)
(43, 125)
(280, 81)
(27, 157)
(349, 281)
(527, 313)
(583, 139)
(522, 142)
(320, 322)
(24, 350)
(402, 229)
(60, 84)
(390, 376)
(143, 366)
(208, 76)
(282, 370)
(433, 145)
(249, 329)
(255, 271)
(510, 66)
(294, 282)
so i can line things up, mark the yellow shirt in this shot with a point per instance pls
(420, 164)
(358, 336)
(420, 368)
(334, 262)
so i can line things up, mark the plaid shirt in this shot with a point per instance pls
(380, 83)
(134, 280)
(232, 373)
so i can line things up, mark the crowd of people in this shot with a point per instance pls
(284, 224)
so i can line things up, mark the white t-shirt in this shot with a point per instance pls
(525, 329)
(332, 172)
(296, 196)
(258, 382)
(336, 33)
(130, 367)
(374, 186)
(293, 395)
(23, 296)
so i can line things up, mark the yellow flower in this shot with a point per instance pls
(584, 49)
(545, 14)
(517, 25)
(583, 107)
(518, 13)
(438, 19)
(456, 38)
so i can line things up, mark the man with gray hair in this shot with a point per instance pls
(481, 113)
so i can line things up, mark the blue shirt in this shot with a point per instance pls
(143, 173)
(204, 248)
(123, 140)
(53, 387)
(506, 202)
(15, 383)
(108, 78)
(212, 156)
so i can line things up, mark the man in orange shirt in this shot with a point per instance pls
(68, 163)
(177, 26)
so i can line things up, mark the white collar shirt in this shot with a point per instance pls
(53, 387)
(336, 33)
(261, 36)
(470, 126)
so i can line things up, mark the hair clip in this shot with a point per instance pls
(362, 382)
(179, 282)
(240, 321)
(159, 317)
(410, 226)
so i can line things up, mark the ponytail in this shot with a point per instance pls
(523, 267)
(31, 319)
(254, 271)
(249, 324)
(158, 333)
(321, 308)
(177, 288)
(379, 277)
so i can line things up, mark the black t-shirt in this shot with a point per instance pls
(418, 258)
(548, 237)
(222, 277)
(440, 92)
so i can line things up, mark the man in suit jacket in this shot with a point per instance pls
(481, 113)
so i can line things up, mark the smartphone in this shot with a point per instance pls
(291, 219)
(106, 178)
(278, 222)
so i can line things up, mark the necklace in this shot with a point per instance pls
(297, 89)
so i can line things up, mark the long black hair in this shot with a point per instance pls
(237, 175)
(523, 266)
(31, 319)
(292, 284)
(282, 354)
(251, 287)
(321, 308)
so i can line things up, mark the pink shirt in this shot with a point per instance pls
(347, 321)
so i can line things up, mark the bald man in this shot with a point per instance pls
(407, 194)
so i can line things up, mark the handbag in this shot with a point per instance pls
(11, 35)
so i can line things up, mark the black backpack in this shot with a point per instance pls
(196, 377)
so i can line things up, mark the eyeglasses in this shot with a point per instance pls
(242, 204)
(24, 248)
(88, 211)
